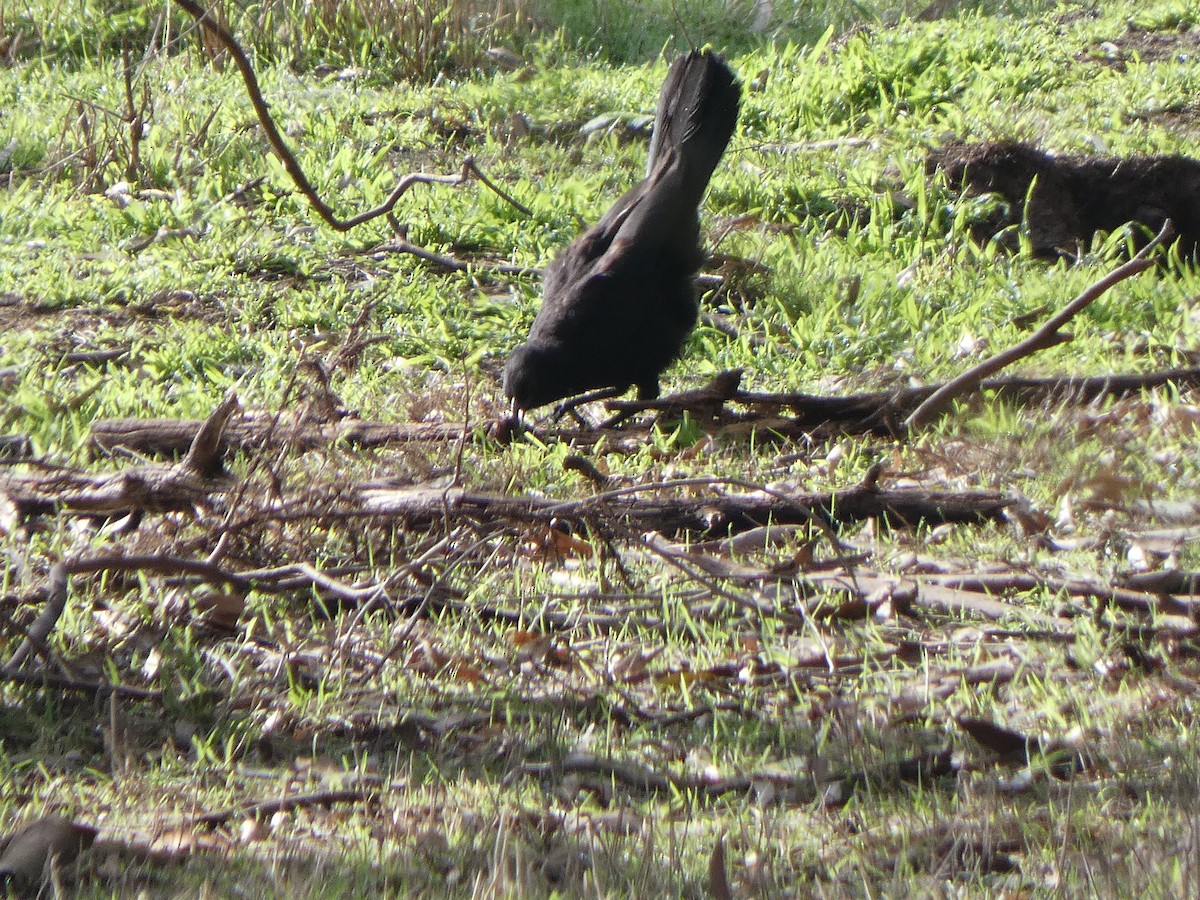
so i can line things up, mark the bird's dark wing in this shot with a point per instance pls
(647, 236)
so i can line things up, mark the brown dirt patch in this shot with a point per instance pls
(18, 315)
(1067, 199)
(1148, 46)
(1155, 46)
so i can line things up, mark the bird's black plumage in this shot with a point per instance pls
(620, 301)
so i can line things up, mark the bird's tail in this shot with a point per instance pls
(697, 112)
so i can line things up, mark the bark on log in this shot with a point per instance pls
(155, 488)
(150, 488)
(146, 489)
(712, 515)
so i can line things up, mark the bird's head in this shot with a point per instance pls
(534, 376)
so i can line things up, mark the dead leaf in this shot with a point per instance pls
(252, 830)
(1011, 746)
(750, 642)
(630, 666)
(466, 672)
(1108, 487)
(30, 851)
(705, 443)
(535, 649)
(218, 608)
(718, 880)
(549, 543)
(520, 638)
(565, 544)
(1031, 521)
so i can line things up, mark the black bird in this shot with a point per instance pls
(620, 301)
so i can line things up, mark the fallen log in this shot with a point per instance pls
(878, 411)
(714, 514)
(167, 437)
(163, 488)
(146, 488)
(784, 415)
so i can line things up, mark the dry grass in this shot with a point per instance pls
(419, 39)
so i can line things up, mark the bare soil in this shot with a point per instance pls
(1148, 47)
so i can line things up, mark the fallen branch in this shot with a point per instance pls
(1049, 335)
(278, 580)
(870, 412)
(854, 413)
(924, 769)
(1166, 582)
(39, 631)
(169, 437)
(145, 489)
(222, 35)
(638, 777)
(705, 401)
(712, 515)
(958, 601)
(266, 808)
(1144, 600)
(205, 455)
(78, 685)
(149, 488)
(643, 779)
(977, 593)
(160, 488)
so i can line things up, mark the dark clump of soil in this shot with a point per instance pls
(1073, 197)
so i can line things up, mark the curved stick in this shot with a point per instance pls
(205, 19)
(1047, 336)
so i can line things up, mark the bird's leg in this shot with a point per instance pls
(571, 405)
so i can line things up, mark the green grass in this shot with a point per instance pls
(216, 275)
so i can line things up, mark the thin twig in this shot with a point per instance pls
(39, 631)
(450, 263)
(1049, 335)
(207, 21)
(267, 808)
(850, 413)
(59, 683)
